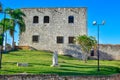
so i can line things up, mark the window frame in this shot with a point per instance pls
(70, 19)
(35, 38)
(71, 39)
(60, 40)
(46, 19)
(35, 19)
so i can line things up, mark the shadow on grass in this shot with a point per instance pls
(79, 66)
(9, 63)
(89, 69)
(64, 69)
(11, 71)
(29, 64)
(38, 64)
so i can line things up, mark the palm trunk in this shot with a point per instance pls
(5, 42)
(13, 45)
(0, 56)
(12, 34)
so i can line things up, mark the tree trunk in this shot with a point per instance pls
(13, 45)
(85, 57)
(0, 56)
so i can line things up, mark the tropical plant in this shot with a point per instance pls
(6, 24)
(86, 43)
(16, 18)
(1, 38)
(1, 27)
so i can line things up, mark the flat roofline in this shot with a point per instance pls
(50, 7)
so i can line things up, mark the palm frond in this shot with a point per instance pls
(21, 26)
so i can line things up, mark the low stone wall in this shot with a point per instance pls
(56, 77)
(109, 52)
(72, 50)
(22, 47)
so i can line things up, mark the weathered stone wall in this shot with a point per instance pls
(58, 26)
(72, 50)
(106, 52)
(56, 77)
(109, 52)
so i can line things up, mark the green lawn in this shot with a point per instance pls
(40, 61)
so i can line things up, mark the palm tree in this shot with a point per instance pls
(16, 18)
(86, 43)
(6, 24)
(1, 27)
(1, 39)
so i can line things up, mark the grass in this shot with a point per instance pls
(40, 62)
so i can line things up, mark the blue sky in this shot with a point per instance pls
(108, 10)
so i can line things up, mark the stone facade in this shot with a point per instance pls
(109, 52)
(58, 26)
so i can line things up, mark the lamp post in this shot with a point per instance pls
(2, 35)
(98, 29)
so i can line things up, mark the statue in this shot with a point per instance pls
(55, 59)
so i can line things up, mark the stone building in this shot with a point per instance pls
(53, 28)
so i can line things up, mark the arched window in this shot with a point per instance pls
(71, 19)
(35, 19)
(46, 19)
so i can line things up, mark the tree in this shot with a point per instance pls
(86, 43)
(1, 39)
(1, 42)
(6, 24)
(16, 18)
(1, 27)
(0, 6)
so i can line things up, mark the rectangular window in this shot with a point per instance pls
(71, 40)
(60, 39)
(35, 38)
(46, 19)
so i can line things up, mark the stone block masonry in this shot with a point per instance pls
(56, 77)
(53, 28)
(109, 52)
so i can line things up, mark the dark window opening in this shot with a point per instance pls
(35, 19)
(60, 39)
(92, 53)
(71, 40)
(71, 19)
(35, 38)
(46, 19)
